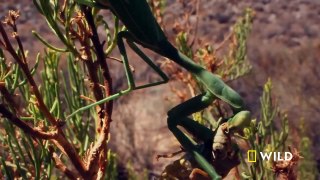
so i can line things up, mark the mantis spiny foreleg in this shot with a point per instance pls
(178, 116)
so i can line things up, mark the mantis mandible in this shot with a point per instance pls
(143, 29)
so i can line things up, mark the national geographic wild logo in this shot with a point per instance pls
(266, 156)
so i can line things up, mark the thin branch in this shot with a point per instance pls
(171, 155)
(87, 98)
(16, 36)
(120, 61)
(24, 126)
(61, 166)
(100, 58)
(226, 39)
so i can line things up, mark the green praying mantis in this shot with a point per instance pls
(143, 29)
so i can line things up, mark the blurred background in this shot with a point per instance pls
(284, 44)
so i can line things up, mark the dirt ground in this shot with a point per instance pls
(284, 45)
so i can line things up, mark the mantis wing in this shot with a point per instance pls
(138, 18)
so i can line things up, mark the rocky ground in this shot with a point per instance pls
(284, 44)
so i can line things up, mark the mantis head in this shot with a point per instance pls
(241, 120)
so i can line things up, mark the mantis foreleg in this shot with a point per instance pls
(131, 84)
(178, 116)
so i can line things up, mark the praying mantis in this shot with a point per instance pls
(143, 29)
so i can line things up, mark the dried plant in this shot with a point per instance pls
(44, 137)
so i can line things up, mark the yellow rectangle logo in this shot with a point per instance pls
(252, 155)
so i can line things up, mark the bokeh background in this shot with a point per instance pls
(284, 45)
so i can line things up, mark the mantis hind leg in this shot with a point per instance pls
(131, 84)
(178, 116)
(130, 40)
